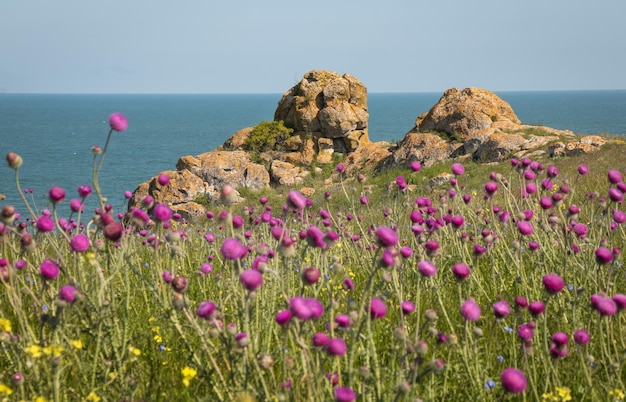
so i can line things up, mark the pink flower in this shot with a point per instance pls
(232, 249)
(84, 190)
(79, 243)
(603, 255)
(583, 170)
(581, 337)
(416, 166)
(614, 176)
(283, 317)
(461, 271)
(113, 231)
(162, 213)
(386, 236)
(501, 308)
(118, 122)
(378, 309)
(45, 224)
(513, 380)
(320, 339)
(458, 169)
(470, 310)
(296, 200)
(345, 394)
(49, 270)
(426, 268)
(56, 195)
(251, 279)
(163, 179)
(310, 275)
(536, 307)
(68, 293)
(206, 309)
(553, 283)
(407, 307)
(525, 228)
(336, 347)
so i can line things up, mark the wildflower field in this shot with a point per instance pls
(506, 283)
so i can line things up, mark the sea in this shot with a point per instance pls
(55, 133)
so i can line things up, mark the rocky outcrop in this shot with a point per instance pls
(288, 174)
(327, 106)
(584, 145)
(424, 147)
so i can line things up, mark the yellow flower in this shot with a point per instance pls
(53, 350)
(617, 394)
(564, 393)
(78, 344)
(134, 350)
(93, 397)
(40, 399)
(34, 351)
(4, 390)
(5, 325)
(188, 374)
(158, 339)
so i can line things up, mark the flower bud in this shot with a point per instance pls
(14, 160)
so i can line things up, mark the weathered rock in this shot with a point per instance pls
(437, 181)
(325, 150)
(584, 145)
(183, 187)
(307, 191)
(327, 105)
(368, 156)
(465, 114)
(423, 147)
(286, 173)
(237, 141)
(226, 167)
(189, 210)
(498, 146)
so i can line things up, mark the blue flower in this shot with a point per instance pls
(500, 358)
(508, 329)
(490, 385)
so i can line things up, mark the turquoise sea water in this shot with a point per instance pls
(54, 133)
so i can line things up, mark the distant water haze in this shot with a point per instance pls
(55, 133)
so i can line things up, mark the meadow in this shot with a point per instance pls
(505, 282)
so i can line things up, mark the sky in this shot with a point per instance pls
(254, 46)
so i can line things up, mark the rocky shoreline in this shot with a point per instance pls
(328, 115)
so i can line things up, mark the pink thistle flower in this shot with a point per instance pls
(406, 251)
(407, 307)
(581, 336)
(501, 308)
(118, 122)
(620, 300)
(14, 160)
(310, 275)
(296, 200)
(206, 309)
(49, 270)
(162, 213)
(68, 293)
(513, 380)
(320, 339)
(552, 171)
(232, 249)
(347, 284)
(378, 309)
(415, 166)
(553, 283)
(56, 195)
(521, 302)
(525, 228)
(113, 231)
(251, 279)
(583, 170)
(426, 268)
(458, 169)
(76, 205)
(163, 179)
(614, 176)
(345, 394)
(84, 190)
(536, 308)
(79, 243)
(283, 317)
(336, 347)
(604, 305)
(525, 332)
(603, 255)
(560, 338)
(45, 224)
(491, 187)
(470, 310)
(461, 270)
(386, 236)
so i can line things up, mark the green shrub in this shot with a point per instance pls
(268, 135)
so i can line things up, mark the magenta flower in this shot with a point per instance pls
(347, 284)
(49, 270)
(68, 293)
(163, 179)
(620, 300)
(616, 195)
(113, 231)
(56, 195)
(458, 169)
(603, 255)
(552, 171)
(162, 213)
(407, 307)
(513, 380)
(232, 249)
(340, 168)
(560, 338)
(283, 317)
(118, 122)
(553, 283)
(406, 251)
(251, 279)
(345, 394)
(525, 332)
(525, 228)
(604, 305)
(470, 310)
(491, 187)
(343, 320)
(206, 309)
(581, 337)
(501, 308)
(536, 308)
(336, 347)
(583, 170)
(84, 190)
(79, 243)
(461, 270)
(386, 237)
(296, 200)
(614, 176)
(415, 166)
(378, 309)
(320, 339)
(426, 268)
(310, 275)
(45, 224)
(521, 301)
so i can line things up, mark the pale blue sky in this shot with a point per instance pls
(253, 46)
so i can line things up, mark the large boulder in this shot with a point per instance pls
(466, 113)
(426, 148)
(220, 167)
(183, 187)
(327, 105)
